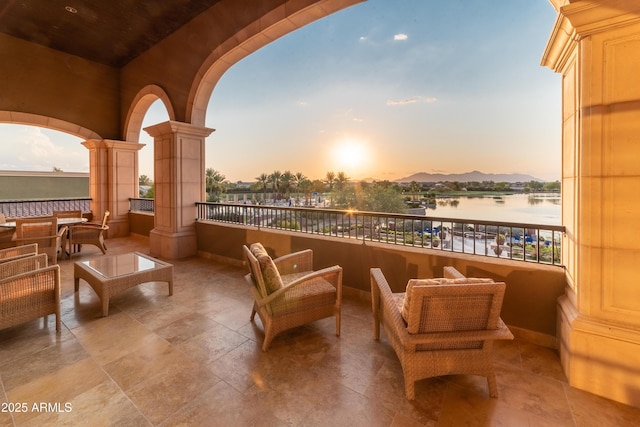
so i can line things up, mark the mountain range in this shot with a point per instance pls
(468, 177)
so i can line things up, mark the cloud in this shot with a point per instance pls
(402, 102)
(411, 100)
(302, 104)
(35, 149)
(400, 37)
(363, 38)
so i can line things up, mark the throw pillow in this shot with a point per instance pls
(257, 249)
(270, 273)
(407, 295)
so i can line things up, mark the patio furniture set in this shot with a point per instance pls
(438, 326)
(30, 287)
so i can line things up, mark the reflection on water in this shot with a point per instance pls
(539, 208)
(447, 202)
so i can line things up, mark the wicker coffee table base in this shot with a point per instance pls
(107, 287)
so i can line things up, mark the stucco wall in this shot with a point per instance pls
(141, 223)
(46, 82)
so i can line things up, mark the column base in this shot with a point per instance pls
(173, 245)
(598, 356)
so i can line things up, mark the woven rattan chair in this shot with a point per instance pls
(88, 234)
(16, 252)
(42, 230)
(449, 329)
(288, 293)
(66, 214)
(29, 289)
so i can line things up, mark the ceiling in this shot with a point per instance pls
(111, 32)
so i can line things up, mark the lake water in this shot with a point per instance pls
(539, 208)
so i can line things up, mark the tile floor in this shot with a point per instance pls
(195, 359)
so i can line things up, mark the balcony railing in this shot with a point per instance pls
(43, 207)
(508, 240)
(141, 205)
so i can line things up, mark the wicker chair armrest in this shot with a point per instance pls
(502, 332)
(43, 279)
(22, 264)
(387, 311)
(295, 262)
(29, 239)
(88, 226)
(332, 275)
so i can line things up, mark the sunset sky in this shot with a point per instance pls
(381, 90)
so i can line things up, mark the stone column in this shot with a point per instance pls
(179, 176)
(113, 179)
(596, 48)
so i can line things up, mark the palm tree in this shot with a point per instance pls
(414, 187)
(341, 180)
(274, 178)
(263, 180)
(330, 179)
(286, 181)
(298, 178)
(306, 186)
(214, 184)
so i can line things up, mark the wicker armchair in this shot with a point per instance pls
(288, 293)
(16, 252)
(29, 289)
(42, 230)
(449, 329)
(88, 234)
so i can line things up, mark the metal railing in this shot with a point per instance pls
(141, 205)
(43, 207)
(508, 240)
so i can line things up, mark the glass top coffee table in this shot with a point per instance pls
(112, 274)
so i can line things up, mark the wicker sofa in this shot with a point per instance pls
(441, 326)
(288, 293)
(29, 289)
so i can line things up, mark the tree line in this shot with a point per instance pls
(337, 191)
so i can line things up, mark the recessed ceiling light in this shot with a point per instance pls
(71, 9)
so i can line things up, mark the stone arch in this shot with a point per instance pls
(20, 118)
(275, 24)
(139, 106)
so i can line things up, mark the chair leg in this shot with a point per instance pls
(338, 324)
(253, 314)
(493, 385)
(410, 389)
(268, 337)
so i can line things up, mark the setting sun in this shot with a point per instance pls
(350, 155)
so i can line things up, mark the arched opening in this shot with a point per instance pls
(383, 98)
